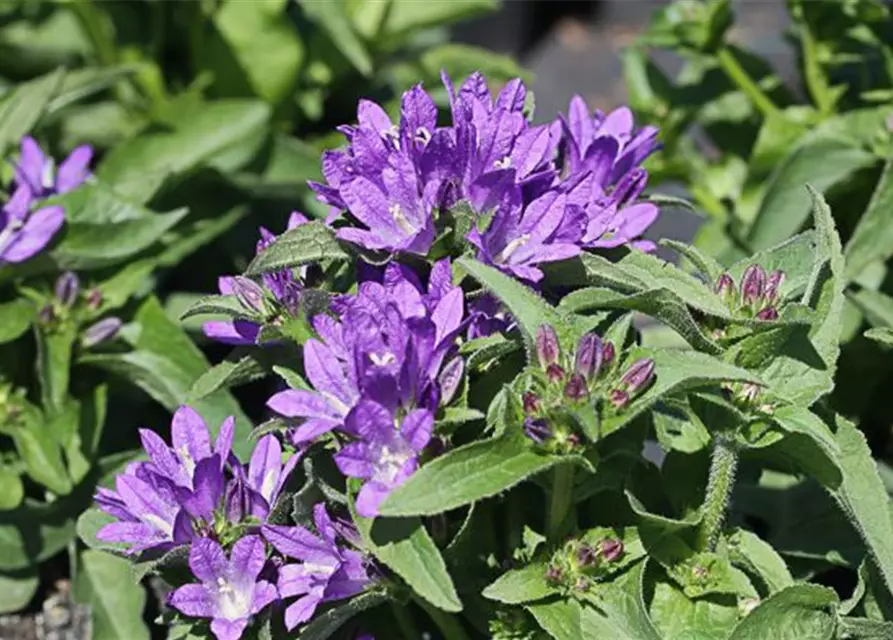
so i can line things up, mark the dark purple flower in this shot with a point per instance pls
(576, 388)
(753, 283)
(326, 571)
(230, 592)
(488, 316)
(638, 376)
(67, 288)
(285, 287)
(610, 549)
(768, 314)
(537, 429)
(588, 359)
(23, 232)
(530, 401)
(385, 455)
(548, 349)
(36, 171)
(254, 490)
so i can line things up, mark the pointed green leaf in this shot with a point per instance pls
(307, 244)
(324, 625)
(883, 335)
(707, 265)
(676, 616)
(105, 583)
(22, 108)
(15, 318)
(757, 557)
(619, 610)
(561, 619)
(217, 305)
(872, 240)
(332, 18)
(18, 590)
(518, 586)
(799, 612)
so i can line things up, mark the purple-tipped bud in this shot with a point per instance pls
(235, 501)
(94, 299)
(576, 388)
(105, 329)
(573, 440)
(749, 392)
(588, 361)
(553, 574)
(630, 187)
(46, 314)
(773, 286)
(531, 402)
(555, 373)
(619, 398)
(753, 283)
(769, 313)
(537, 429)
(608, 353)
(610, 549)
(547, 348)
(587, 556)
(250, 294)
(638, 376)
(67, 287)
(725, 286)
(450, 378)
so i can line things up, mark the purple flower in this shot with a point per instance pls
(488, 316)
(384, 455)
(35, 170)
(326, 571)
(230, 592)
(517, 241)
(284, 286)
(101, 331)
(23, 232)
(255, 490)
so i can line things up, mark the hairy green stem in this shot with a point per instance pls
(450, 626)
(403, 616)
(736, 73)
(723, 464)
(561, 499)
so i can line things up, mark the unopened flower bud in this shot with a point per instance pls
(46, 314)
(450, 378)
(553, 574)
(573, 440)
(753, 283)
(630, 187)
(773, 286)
(531, 402)
(768, 314)
(610, 549)
(537, 429)
(67, 287)
(94, 299)
(105, 329)
(250, 294)
(587, 556)
(547, 347)
(638, 376)
(588, 360)
(576, 388)
(725, 286)
(555, 373)
(749, 392)
(607, 353)
(619, 398)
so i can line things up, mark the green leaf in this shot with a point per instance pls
(822, 161)
(403, 544)
(863, 499)
(872, 240)
(875, 305)
(22, 108)
(797, 420)
(674, 371)
(883, 335)
(799, 612)
(36, 531)
(13, 489)
(18, 590)
(561, 619)
(88, 525)
(165, 364)
(661, 304)
(681, 618)
(327, 623)
(518, 586)
(81, 83)
(254, 49)
(704, 263)
(865, 629)
(105, 582)
(804, 382)
(307, 244)
(15, 318)
(332, 18)
(749, 552)
(619, 610)
(409, 17)
(225, 134)
(470, 473)
(242, 365)
(54, 347)
(40, 452)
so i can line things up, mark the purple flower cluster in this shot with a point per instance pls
(379, 371)
(23, 231)
(541, 193)
(283, 292)
(198, 494)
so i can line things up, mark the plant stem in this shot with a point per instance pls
(744, 82)
(450, 626)
(561, 499)
(723, 464)
(403, 615)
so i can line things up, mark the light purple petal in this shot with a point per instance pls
(298, 403)
(39, 229)
(417, 428)
(225, 435)
(247, 558)
(74, 170)
(265, 466)
(369, 419)
(163, 458)
(447, 316)
(370, 497)
(264, 594)
(228, 629)
(326, 373)
(192, 600)
(353, 460)
(296, 542)
(207, 560)
(323, 523)
(189, 434)
(237, 332)
(31, 165)
(302, 610)
(208, 489)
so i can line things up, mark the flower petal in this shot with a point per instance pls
(228, 629)
(39, 229)
(192, 600)
(417, 428)
(370, 498)
(247, 558)
(207, 560)
(189, 434)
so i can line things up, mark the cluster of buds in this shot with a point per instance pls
(68, 300)
(579, 564)
(759, 294)
(747, 396)
(561, 382)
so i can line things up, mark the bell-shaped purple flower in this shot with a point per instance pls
(255, 490)
(548, 349)
(385, 455)
(35, 170)
(326, 571)
(230, 592)
(24, 233)
(537, 429)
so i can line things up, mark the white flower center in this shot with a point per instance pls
(391, 457)
(423, 135)
(232, 603)
(383, 360)
(402, 221)
(47, 176)
(186, 459)
(510, 248)
(504, 163)
(162, 525)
